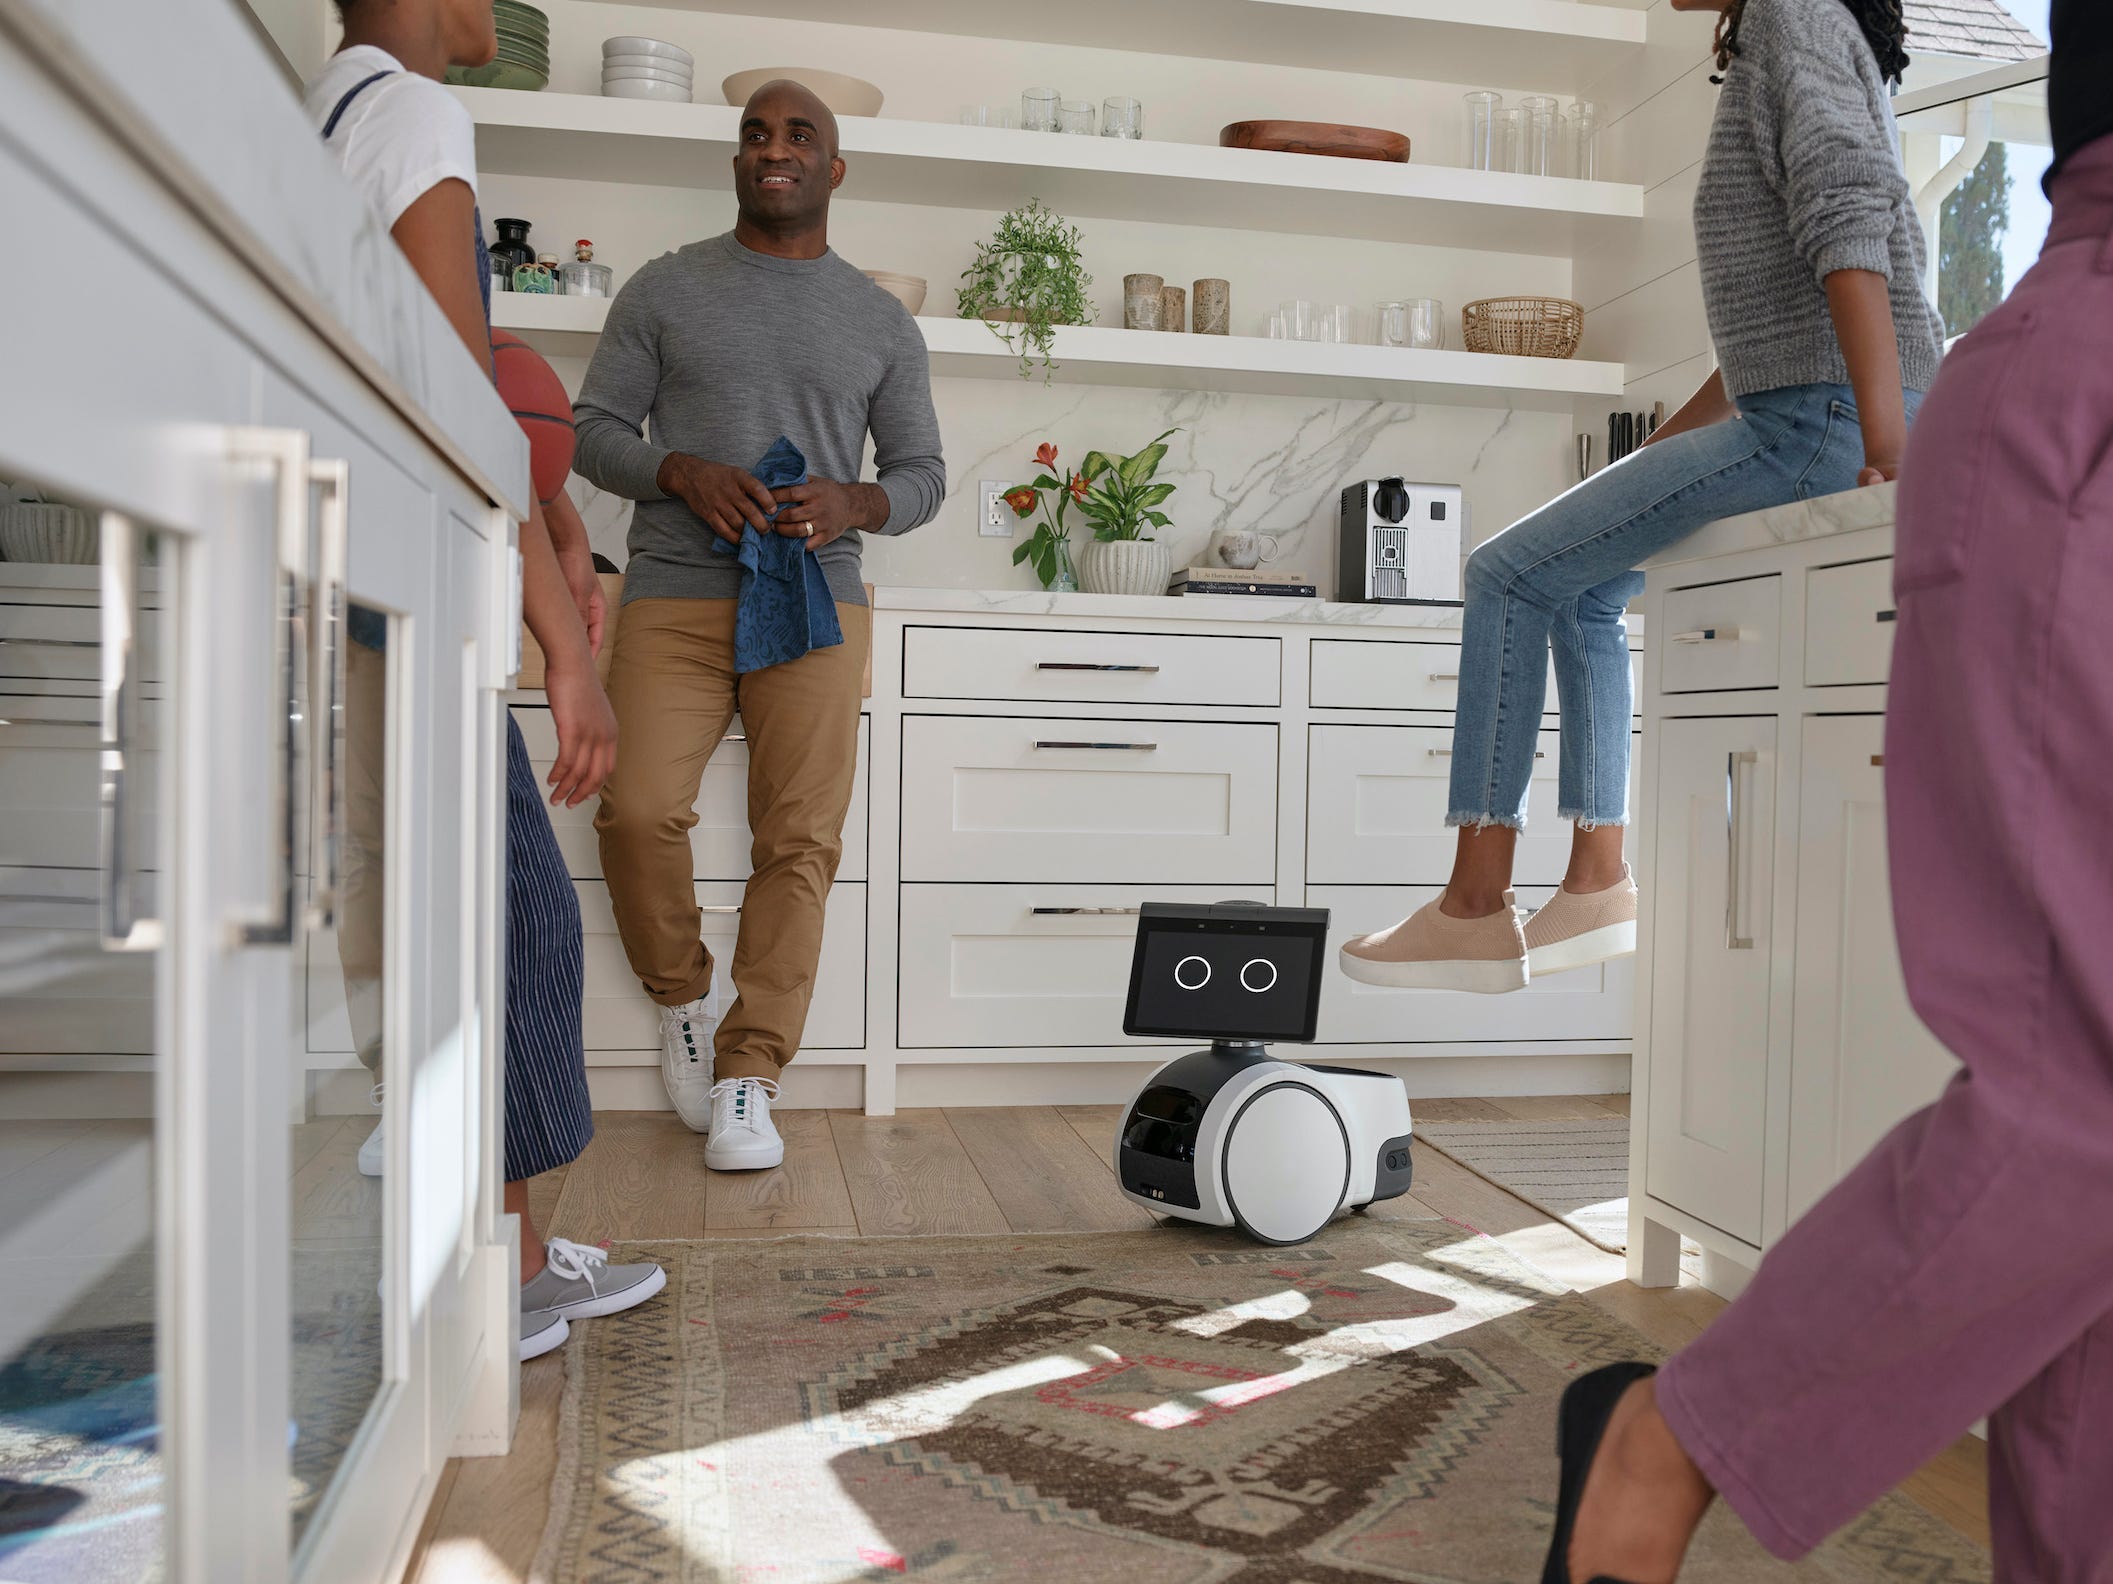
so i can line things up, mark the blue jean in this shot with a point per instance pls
(1564, 575)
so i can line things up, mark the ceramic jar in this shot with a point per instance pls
(36, 531)
(1211, 308)
(1143, 302)
(1126, 566)
(1173, 309)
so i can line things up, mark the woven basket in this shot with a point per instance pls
(1547, 327)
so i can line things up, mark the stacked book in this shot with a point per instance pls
(1263, 582)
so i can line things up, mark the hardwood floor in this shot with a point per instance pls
(1018, 1169)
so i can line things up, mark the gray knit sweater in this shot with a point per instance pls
(1803, 178)
(720, 351)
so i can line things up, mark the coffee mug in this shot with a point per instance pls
(1245, 550)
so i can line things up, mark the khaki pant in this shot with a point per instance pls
(673, 686)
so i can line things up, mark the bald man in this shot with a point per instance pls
(716, 350)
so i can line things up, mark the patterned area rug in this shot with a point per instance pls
(1577, 1171)
(1174, 1405)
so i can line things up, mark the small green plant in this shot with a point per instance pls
(1031, 268)
(1120, 497)
(1049, 546)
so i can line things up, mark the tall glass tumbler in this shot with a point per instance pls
(1581, 140)
(1038, 109)
(1482, 108)
(1302, 319)
(1507, 140)
(1122, 118)
(1537, 133)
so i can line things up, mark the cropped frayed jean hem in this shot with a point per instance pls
(1561, 578)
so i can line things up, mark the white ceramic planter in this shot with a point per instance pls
(34, 531)
(1125, 566)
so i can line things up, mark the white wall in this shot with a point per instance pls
(1242, 461)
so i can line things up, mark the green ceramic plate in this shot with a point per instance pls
(522, 30)
(523, 24)
(500, 74)
(525, 49)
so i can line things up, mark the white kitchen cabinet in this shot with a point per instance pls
(1090, 667)
(1713, 842)
(1775, 1044)
(1352, 674)
(1861, 1059)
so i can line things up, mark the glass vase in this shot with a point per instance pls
(1066, 580)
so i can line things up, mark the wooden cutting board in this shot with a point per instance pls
(1318, 137)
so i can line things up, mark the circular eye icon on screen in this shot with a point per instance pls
(1192, 973)
(1259, 975)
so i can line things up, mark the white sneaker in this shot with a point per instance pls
(743, 1137)
(372, 1152)
(686, 1058)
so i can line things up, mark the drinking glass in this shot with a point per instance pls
(1038, 109)
(1276, 326)
(1302, 319)
(1390, 324)
(1122, 118)
(1427, 323)
(1482, 109)
(1507, 139)
(1537, 131)
(989, 116)
(1339, 325)
(1076, 117)
(1581, 140)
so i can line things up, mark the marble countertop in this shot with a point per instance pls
(1164, 608)
(1821, 517)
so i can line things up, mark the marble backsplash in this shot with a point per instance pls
(1274, 464)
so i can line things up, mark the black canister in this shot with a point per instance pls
(511, 251)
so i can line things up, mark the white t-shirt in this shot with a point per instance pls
(400, 138)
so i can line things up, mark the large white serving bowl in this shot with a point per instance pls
(656, 64)
(639, 88)
(844, 95)
(645, 74)
(632, 44)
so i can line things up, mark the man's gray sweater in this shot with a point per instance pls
(720, 350)
(1803, 178)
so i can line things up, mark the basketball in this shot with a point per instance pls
(536, 397)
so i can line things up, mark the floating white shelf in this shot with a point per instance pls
(1553, 45)
(1096, 355)
(585, 137)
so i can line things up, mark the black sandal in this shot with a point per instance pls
(1588, 1402)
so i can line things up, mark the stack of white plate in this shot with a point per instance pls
(644, 68)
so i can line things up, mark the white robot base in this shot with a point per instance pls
(1231, 1136)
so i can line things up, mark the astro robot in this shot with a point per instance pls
(1231, 1136)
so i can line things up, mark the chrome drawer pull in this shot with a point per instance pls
(1107, 747)
(1100, 912)
(1734, 828)
(1447, 753)
(723, 911)
(1704, 635)
(1086, 665)
(1888, 615)
(1445, 676)
(51, 643)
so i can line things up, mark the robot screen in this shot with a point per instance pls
(1250, 975)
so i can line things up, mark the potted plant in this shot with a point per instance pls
(1026, 280)
(1049, 546)
(1122, 501)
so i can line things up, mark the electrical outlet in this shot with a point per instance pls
(994, 519)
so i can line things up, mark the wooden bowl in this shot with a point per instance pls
(1318, 137)
(847, 96)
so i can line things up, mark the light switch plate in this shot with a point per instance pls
(994, 519)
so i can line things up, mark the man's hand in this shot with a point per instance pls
(726, 497)
(822, 510)
(586, 728)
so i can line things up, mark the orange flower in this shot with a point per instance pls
(1045, 455)
(1078, 486)
(1022, 501)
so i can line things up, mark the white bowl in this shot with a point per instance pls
(632, 44)
(909, 290)
(644, 74)
(638, 88)
(845, 95)
(658, 63)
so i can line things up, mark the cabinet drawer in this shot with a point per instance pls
(1721, 636)
(63, 643)
(1403, 676)
(1039, 965)
(1150, 802)
(1090, 667)
(1377, 800)
(1848, 623)
(719, 842)
(1587, 1004)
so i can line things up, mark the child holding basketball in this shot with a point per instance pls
(409, 146)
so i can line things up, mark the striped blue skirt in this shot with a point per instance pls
(548, 1116)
